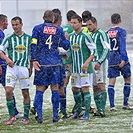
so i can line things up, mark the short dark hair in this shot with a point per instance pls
(69, 14)
(17, 18)
(56, 10)
(2, 17)
(93, 19)
(57, 17)
(48, 15)
(76, 16)
(115, 18)
(85, 15)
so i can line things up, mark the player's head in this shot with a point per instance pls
(85, 15)
(57, 19)
(17, 18)
(91, 24)
(3, 21)
(69, 14)
(17, 24)
(48, 16)
(115, 18)
(76, 22)
(56, 10)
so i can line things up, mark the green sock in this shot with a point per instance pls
(82, 96)
(87, 101)
(103, 99)
(100, 100)
(97, 100)
(26, 110)
(78, 101)
(10, 106)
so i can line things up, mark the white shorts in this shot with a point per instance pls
(80, 80)
(99, 76)
(17, 73)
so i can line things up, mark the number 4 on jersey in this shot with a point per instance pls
(49, 41)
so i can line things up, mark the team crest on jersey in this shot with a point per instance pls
(112, 34)
(49, 30)
(20, 48)
(75, 47)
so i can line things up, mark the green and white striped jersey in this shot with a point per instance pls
(18, 48)
(82, 47)
(101, 40)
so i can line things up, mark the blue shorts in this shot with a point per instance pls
(47, 76)
(62, 76)
(114, 72)
(3, 76)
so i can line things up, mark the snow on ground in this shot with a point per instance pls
(110, 124)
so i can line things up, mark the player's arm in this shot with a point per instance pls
(0, 70)
(30, 68)
(106, 47)
(87, 62)
(29, 57)
(33, 45)
(3, 48)
(33, 48)
(92, 47)
(8, 60)
(122, 40)
(63, 53)
(64, 42)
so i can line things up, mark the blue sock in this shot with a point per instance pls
(126, 92)
(63, 104)
(39, 101)
(55, 102)
(111, 93)
(65, 90)
(35, 103)
(15, 108)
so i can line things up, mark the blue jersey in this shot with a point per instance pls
(118, 52)
(2, 35)
(46, 38)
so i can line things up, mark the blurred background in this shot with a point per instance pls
(32, 11)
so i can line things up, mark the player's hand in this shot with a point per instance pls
(10, 62)
(122, 64)
(36, 65)
(67, 35)
(0, 70)
(65, 56)
(85, 67)
(97, 66)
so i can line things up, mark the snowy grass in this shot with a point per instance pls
(114, 122)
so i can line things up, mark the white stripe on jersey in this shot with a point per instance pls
(80, 43)
(77, 54)
(13, 47)
(17, 45)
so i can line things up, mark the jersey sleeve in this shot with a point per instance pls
(33, 45)
(105, 43)
(4, 45)
(2, 35)
(123, 53)
(91, 45)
